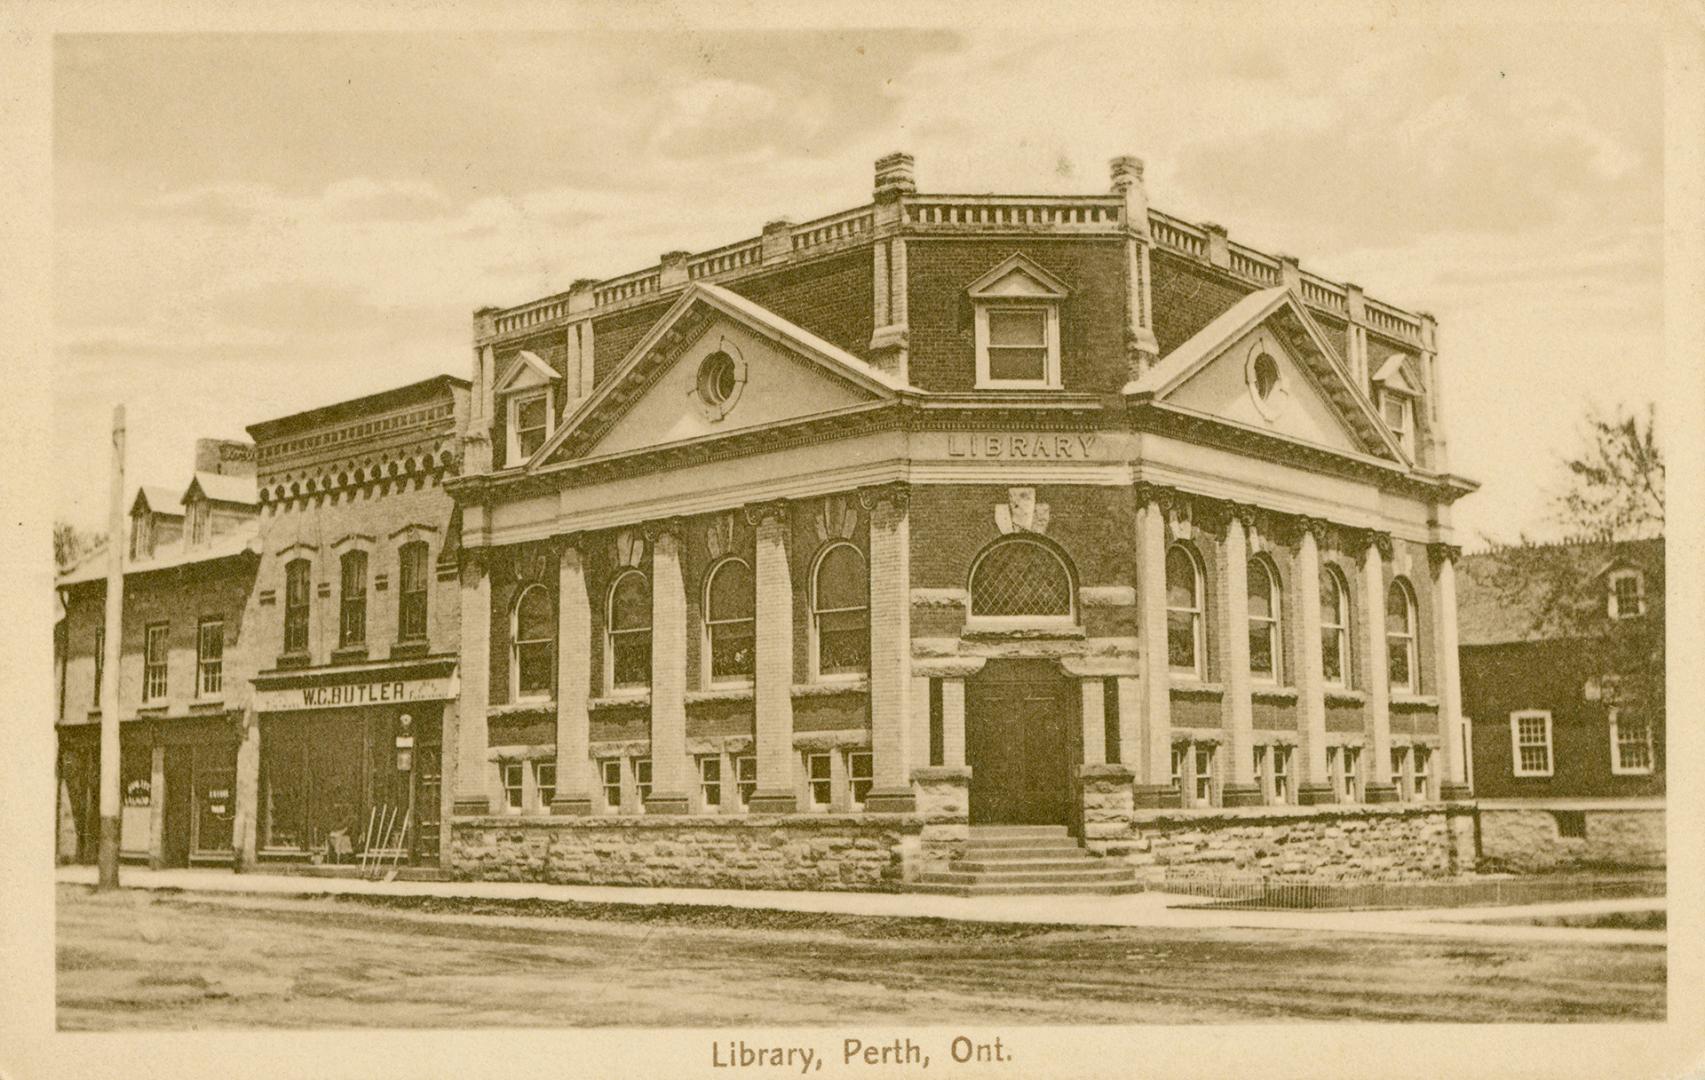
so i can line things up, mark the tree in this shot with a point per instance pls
(70, 544)
(1611, 510)
(1615, 485)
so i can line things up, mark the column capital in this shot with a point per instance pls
(562, 543)
(1358, 541)
(897, 492)
(1160, 495)
(476, 561)
(1214, 515)
(1438, 552)
(657, 529)
(759, 512)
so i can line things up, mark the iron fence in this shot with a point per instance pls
(1306, 894)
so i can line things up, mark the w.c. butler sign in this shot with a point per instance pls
(348, 695)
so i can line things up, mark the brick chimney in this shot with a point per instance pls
(894, 177)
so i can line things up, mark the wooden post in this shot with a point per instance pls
(110, 795)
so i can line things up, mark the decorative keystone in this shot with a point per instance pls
(895, 177)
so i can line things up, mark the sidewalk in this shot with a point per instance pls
(1149, 909)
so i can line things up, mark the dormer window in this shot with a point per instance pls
(141, 536)
(200, 517)
(1627, 594)
(1397, 391)
(528, 393)
(1017, 326)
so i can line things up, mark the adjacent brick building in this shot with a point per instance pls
(794, 562)
(1560, 649)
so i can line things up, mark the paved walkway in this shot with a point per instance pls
(1153, 909)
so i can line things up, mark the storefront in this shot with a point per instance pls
(351, 762)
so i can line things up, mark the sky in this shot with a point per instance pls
(250, 225)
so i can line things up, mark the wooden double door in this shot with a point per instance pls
(1022, 737)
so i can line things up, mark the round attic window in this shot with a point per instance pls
(1266, 376)
(720, 379)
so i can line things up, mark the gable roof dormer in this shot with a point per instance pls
(526, 372)
(1394, 375)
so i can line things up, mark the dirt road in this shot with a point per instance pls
(140, 959)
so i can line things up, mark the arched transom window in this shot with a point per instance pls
(1334, 628)
(1263, 621)
(840, 611)
(627, 636)
(729, 621)
(1400, 637)
(1183, 611)
(534, 649)
(1021, 578)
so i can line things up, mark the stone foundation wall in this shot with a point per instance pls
(1387, 843)
(1530, 838)
(832, 852)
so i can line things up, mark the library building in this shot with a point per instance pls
(842, 555)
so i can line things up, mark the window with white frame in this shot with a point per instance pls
(514, 786)
(529, 424)
(141, 536)
(746, 778)
(154, 652)
(1183, 611)
(1530, 740)
(200, 519)
(710, 782)
(1180, 756)
(411, 591)
(1334, 627)
(1422, 775)
(610, 779)
(1398, 411)
(1400, 637)
(859, 776)
(1262, 779)
(297, 590)
(1021, 579)
(352, 599)
(819, 774)
(1281, 774)
(1263, 621)
(729, 622)
(1399, 766)
(210, 658)
(1016, 326)
(544, 781)
(1344, 762)
(840, 612)
(1204, 791)
(1627, 594)
(532, 644)
(642, 779)
(627, 637)
(1630, 744)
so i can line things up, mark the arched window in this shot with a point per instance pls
(533, 652)
(729, 624)
(1334, 627)
(627, 637)
(1400, 637)
(1021, 578)
(296, 593)
(1183, 611)
(840, 611)
(1263, 620)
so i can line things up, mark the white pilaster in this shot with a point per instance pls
(1154, 779)
(1452, 771)
(573, 685)
(890, 649)
(1237, 707)
(1094, 714)
(668, 677)
(1314, 786)
(773, 692)
(473, 793)
(1378, 686)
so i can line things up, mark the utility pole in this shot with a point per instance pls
(110, 796)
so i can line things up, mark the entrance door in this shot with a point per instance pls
(180, 806)
(1021, 737)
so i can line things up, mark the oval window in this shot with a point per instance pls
(717, 379)
(1266, 376)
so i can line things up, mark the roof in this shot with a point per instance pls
(758, 316)
(1495, 606)
(158, 500)
(243, 540)
(222, 488)
(343, 410)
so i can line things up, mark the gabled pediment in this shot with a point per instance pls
(714, 364)
(1018, 277)
(526, 372)
(1265, 364)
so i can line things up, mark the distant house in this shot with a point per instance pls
(1562, 673)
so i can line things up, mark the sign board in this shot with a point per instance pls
(353, 695)
(1023, 446)
(405, 742)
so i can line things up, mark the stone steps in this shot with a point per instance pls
(1021, 860)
